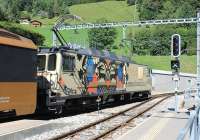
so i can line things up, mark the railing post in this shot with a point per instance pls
(193, 129)
(54, 43)
(124, 32)
(198, 126)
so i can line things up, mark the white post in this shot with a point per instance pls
(124, 33)
(188, 93)
(134, 17)
(54, 40)
(193, 129)
(198, 54)
(177, 102)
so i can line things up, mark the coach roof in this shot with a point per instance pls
(11, 39)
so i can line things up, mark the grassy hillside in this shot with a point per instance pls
(110, 10)
(188, 63)
(92, 12)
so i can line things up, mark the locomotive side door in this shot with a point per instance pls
(53, 70)
(49, 69)
(69, 76)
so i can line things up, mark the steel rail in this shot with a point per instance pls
(85, 127)
(127, 121)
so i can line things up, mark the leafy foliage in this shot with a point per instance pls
(37, 38)
(157, 40)
(152, 41)
(154, 9)
(45, 8)
(50, 8)
(102, 38)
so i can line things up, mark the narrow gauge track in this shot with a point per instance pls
(103, 127)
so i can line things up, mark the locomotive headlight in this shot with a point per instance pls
(52, 83)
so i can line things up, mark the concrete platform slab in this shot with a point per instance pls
(165, 125)
(26, 128)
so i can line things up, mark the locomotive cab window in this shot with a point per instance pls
(68, 63)
(41, 61)
(52, 62)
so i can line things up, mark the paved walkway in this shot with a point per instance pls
(164, 125)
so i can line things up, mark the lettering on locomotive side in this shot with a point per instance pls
(4, 99)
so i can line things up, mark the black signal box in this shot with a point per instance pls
(175, 64)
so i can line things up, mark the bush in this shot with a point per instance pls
(102, 38)
(37, 38)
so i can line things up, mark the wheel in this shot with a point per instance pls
(59, 110)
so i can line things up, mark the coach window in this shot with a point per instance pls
(68, 63)
(52, 62)
(41, 60)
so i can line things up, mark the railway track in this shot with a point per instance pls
(108, 125)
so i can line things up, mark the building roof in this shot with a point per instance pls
(32, 21)
(11, 39)
(24, 18)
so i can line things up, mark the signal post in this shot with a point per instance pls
(175, 65)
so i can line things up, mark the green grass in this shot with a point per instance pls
(46, 21)
(92, 12)
(79, 37)
(109, 10)
(188, 63)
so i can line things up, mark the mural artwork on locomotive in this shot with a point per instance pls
(99, 76)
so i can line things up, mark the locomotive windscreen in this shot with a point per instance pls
(52, 62)
(41, 61)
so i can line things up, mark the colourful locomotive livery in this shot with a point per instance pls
(52, 79)
(87, 74)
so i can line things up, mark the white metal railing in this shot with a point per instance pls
(192, 127)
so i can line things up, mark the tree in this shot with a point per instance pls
(186, 10)
(149, 9)
(56, 8)
(37, 38)
(2, 15)
(131, 2)
(65, 9)
(102, 38)
(167, 11)
(50, 11)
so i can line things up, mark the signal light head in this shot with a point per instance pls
(176, 45)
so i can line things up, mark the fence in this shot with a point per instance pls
(192, 128)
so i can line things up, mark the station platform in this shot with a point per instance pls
(165, 124)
